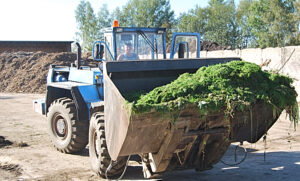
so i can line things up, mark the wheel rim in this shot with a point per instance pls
(60, 126)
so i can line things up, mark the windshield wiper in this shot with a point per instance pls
(153, 47)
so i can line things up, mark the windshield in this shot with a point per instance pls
(139, 46)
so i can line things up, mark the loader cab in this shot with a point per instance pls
(147, 43)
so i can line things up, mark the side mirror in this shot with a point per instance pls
(101, 51)
(181, 50)
(98, 54)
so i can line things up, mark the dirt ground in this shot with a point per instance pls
(27, 154)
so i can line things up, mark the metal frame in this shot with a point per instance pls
(185, 34)
(106, 46)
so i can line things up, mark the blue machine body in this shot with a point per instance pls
(84, 85)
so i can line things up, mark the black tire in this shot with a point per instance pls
(67, 133)
(99, 156)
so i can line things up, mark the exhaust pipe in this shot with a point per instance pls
(78, 55)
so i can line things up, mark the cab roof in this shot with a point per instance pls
(134, 29)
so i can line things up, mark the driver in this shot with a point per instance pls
(129, 54)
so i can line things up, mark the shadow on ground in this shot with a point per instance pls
(84, 152)
(275, 166)
(6, 97)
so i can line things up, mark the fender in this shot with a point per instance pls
(86, 97)
(73, 93)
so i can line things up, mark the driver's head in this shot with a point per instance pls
(128, 48)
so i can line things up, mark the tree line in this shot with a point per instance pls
(250, 23)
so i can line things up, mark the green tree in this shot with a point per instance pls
(150, 13)
(245, 37)
(216, 22)
(296, 39)
(273, 22)
(104, 19)
(297, 8)
(194, 20)
(117, 14)
(221, 25)
(87, 25)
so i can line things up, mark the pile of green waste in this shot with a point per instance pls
(233, 86)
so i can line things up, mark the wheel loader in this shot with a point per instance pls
(85, 105)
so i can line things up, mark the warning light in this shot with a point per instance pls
(116, 23)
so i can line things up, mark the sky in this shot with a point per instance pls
(54, 20)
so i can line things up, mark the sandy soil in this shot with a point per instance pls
(27, 154)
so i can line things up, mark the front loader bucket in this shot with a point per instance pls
(128, 134)
(193, 141)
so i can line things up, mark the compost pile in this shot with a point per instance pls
(212, 46)
(234, 86)
(26, 72)
(206, 46)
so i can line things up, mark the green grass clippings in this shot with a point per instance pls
(231, 86)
